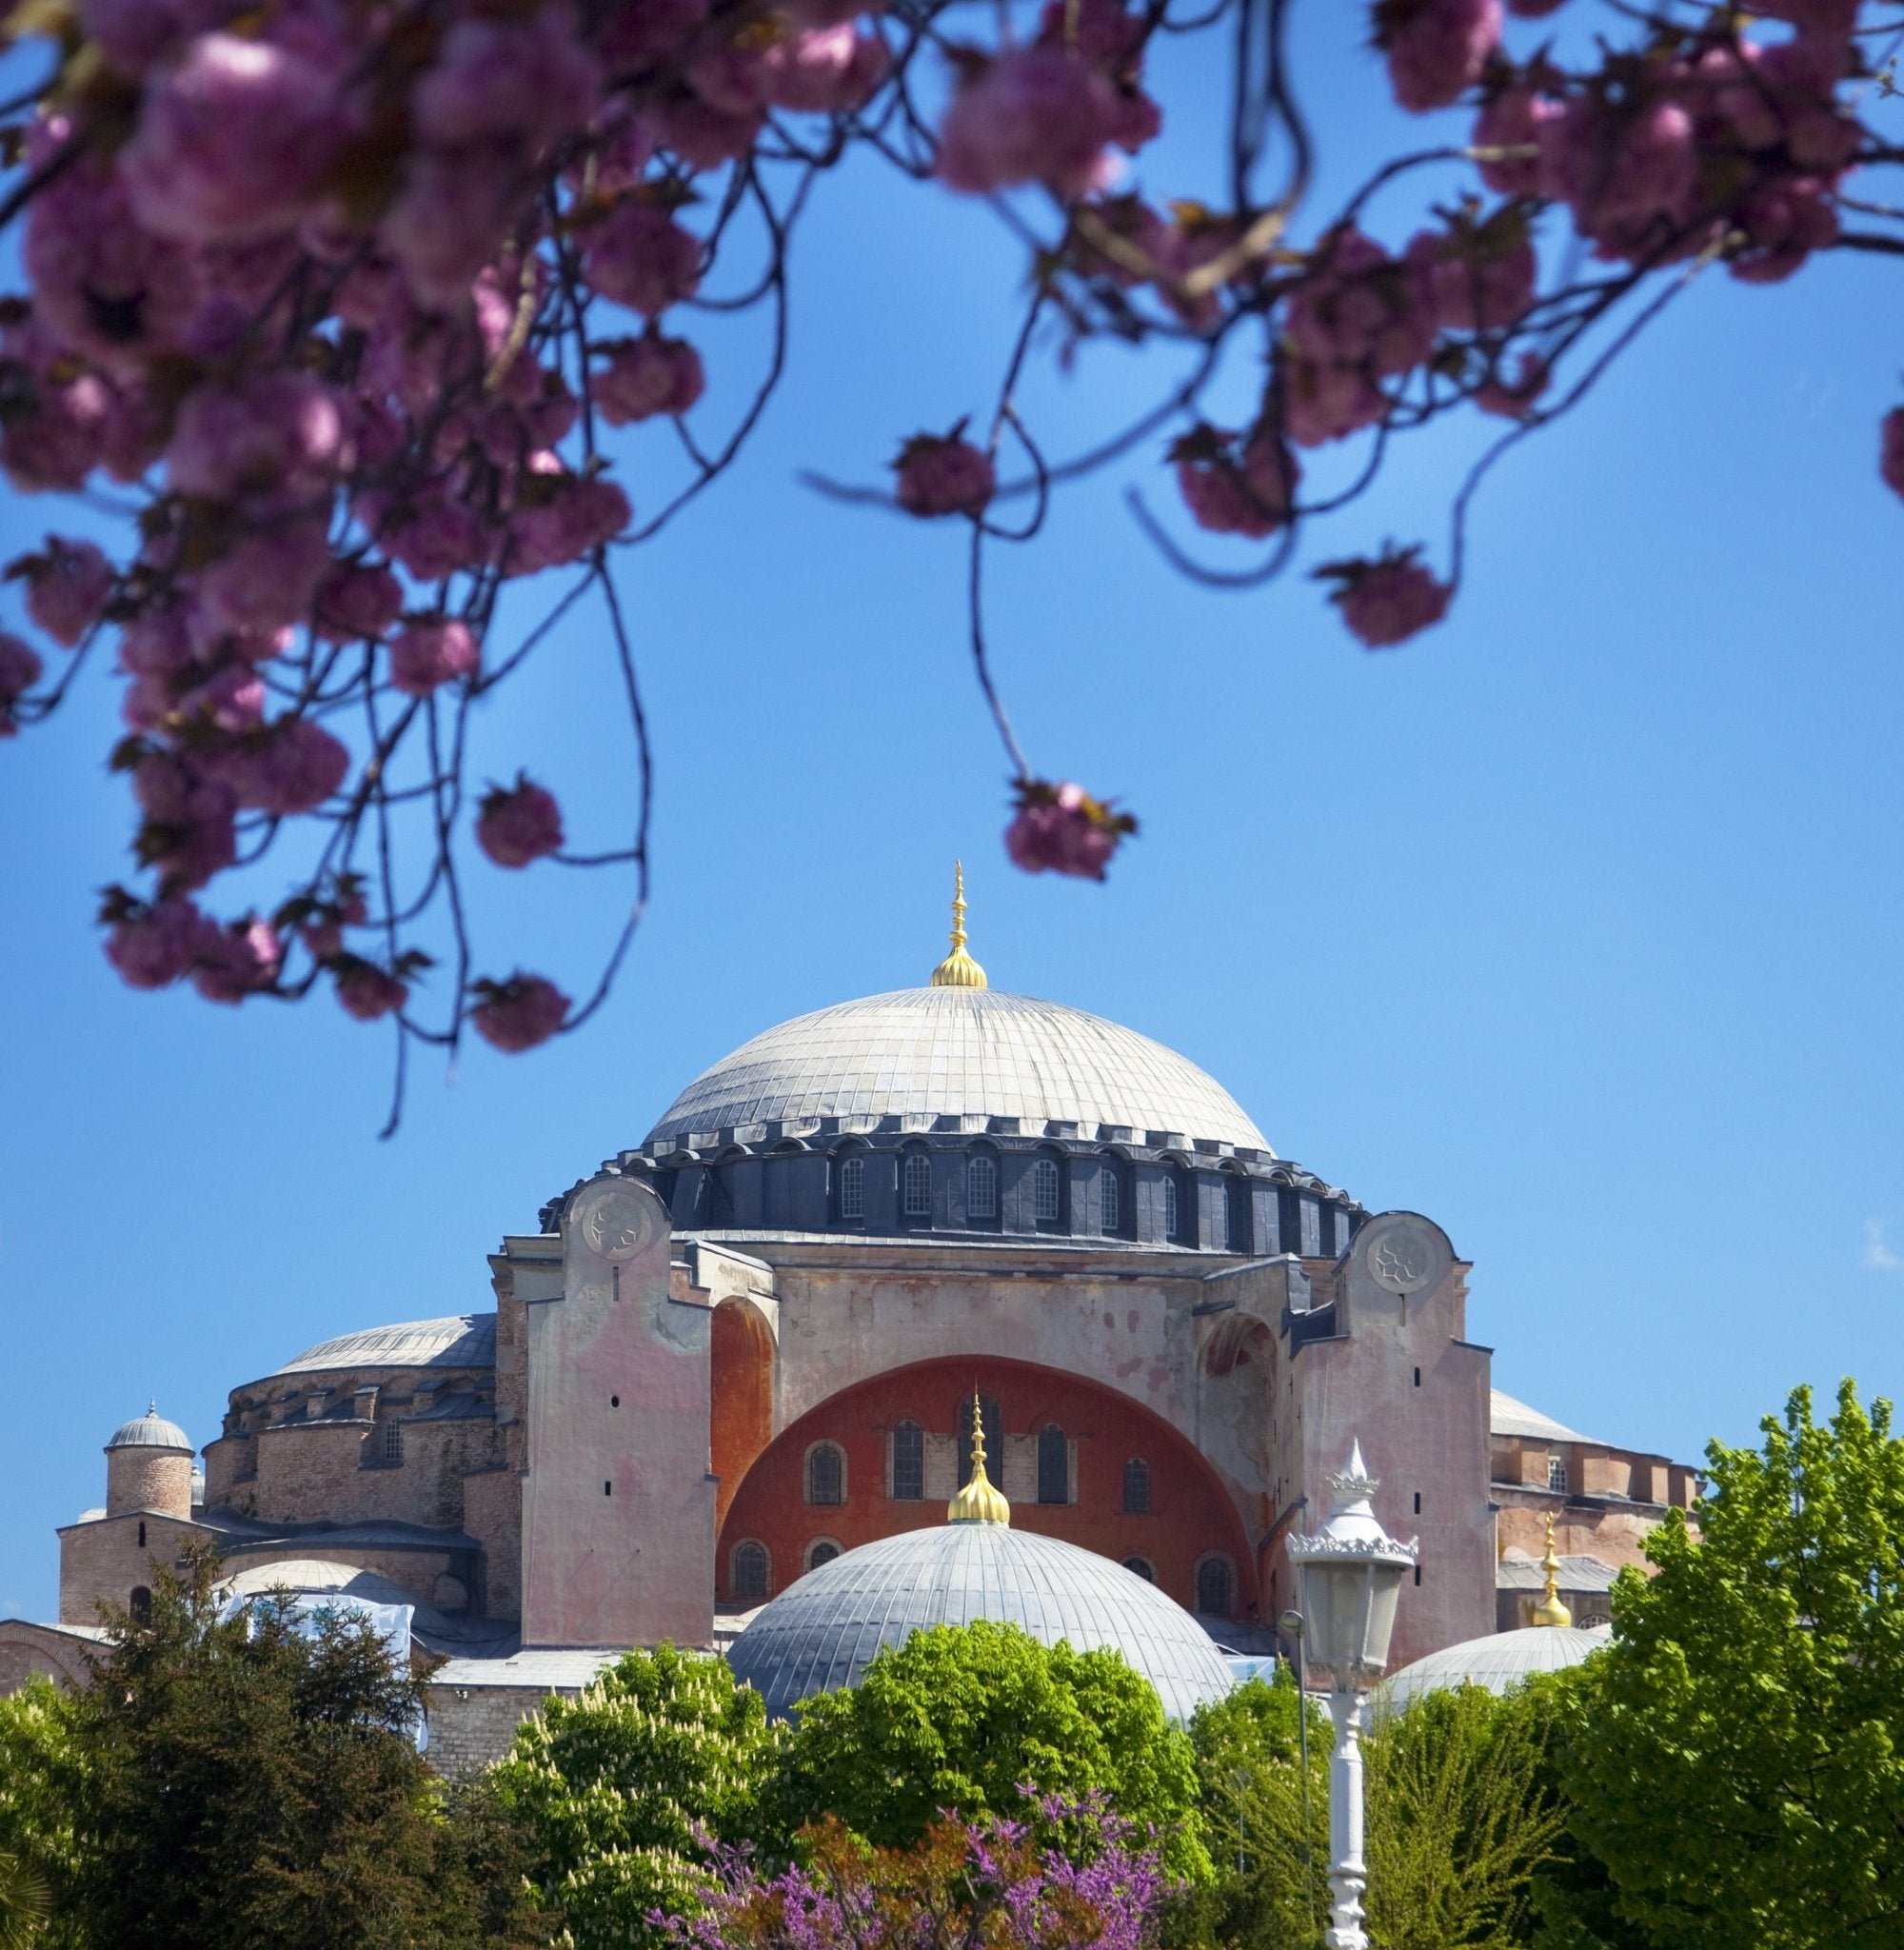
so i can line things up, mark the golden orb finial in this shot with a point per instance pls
(978, 1503)
(959, 970)
(1550, 1611)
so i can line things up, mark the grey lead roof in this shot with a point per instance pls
(1507, 1416)
(822, 1631)
(1499, 1661)
(455, 1341)
(150, 1431)
(959, 1052)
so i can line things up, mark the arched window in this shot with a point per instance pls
(994, 1437)
(1170, 1205)
(825, 1474)
(981, 1186)
(1109, 1216)
(1045, 1191)
(1137, 1486)
(822, 1551)
(909, 1463)
(1557, 1473)
(1213, 1587)
(1141, 1568)
(914, 1179)
(141, 1605)
(853, 1186)
(390, 1442)
(1054, 1465)
(751, 1570)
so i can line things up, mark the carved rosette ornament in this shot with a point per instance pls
(1402, 1260)
(617, 1223)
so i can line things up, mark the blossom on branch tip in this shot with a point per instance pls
(518, 1014)
(68, 584)
(520, 823)
(646, 377)
(1234, 486)
(424, 655)
(367, 991)
(638, 256)
(152, 944)
(1435, 48)
(1028, 115)
(1062, 829)
(240, 960)
(1389, 600)
(943, 473)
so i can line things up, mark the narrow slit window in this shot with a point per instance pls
(1107, 1200)
(1170, 1207)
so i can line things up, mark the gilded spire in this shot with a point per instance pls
(959, 970)
(978, 1503)
(1550, 1611)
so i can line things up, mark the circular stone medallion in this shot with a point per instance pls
(1402, 1260)
(617, 1221)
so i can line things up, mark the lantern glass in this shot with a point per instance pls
(1349, 1603)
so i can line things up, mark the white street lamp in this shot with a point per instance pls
(1350, 1573)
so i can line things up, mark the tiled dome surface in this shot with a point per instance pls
(456, 1340)
(821, 1632)
(959, 1052)
(150, 1431)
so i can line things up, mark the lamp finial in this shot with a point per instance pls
(978, 1502)
(1550, 1611)
(959, 970)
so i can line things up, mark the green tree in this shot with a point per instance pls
(1462, 1813)
(245, 1782)
(612, 1786)
(960, 1717)
(40, 1783)
(1733, 1756)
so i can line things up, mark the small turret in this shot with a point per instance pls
(149, 1469)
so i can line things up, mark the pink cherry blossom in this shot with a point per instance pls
(638, 256)
(519, 823)
(354, 604)
(1511, 120)
(1387, 601)
(134, 34)
(1783, 222)
(1062, 829)
(1324, 401)
(564, 517)
(1231, 493)
(823, 71)
(152, 946)
(519, 1013)
(528, 79)
(367, 991)
(1361, 307)
(1479, 277)
(272, 430)
(1435, 48)
(235, 141)
(646, 376)
(944, 474)
(20, 670)
(1031, 115)
(266, 579)
(234, 962)
(453, 206)
(66, 587)
(423, 656)
(632, 39)
(290, 767)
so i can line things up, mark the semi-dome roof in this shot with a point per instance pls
(821, 1632)
(1499, 1661)
(959, 1052)
(150, 1431)
(454, 1341)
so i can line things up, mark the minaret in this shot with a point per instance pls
(978, 1503)
(959, 970)
(1550, 1611)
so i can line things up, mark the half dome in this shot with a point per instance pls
(823, 1632)
(963, 1053)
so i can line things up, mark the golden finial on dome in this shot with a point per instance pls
(959, 970)
(978, 1503)
(1550, 1611)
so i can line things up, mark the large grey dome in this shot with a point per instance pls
(961, 1053)
(1499, 1662)
(453, 1341)
(821, 1632)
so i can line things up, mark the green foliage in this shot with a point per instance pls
(612, 1786)
(40, 1782)
(1734, 1755)
(1268, 1837)
(246, 1784)
(1462, 1812)
(961, 1716)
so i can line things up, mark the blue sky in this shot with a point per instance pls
(1574, 924)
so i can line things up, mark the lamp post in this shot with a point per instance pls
(1350, 1574)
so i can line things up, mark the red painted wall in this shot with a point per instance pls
(1190, 1513)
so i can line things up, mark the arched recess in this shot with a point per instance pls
(742, 1386)
(1191, 1514)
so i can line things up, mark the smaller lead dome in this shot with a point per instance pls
(150, 1431)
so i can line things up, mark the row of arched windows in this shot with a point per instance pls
(750, 1575)
(827, 1462)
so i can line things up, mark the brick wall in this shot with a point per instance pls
(471, 1728)
(26, 1650)
(148, 1479)
(105, 1561)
